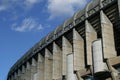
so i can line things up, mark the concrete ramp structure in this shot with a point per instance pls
(85, 47)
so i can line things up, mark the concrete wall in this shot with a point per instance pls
(107, 37)
(33, 69)
(57, 62)
(40, 67)
(28, 71)
(66, 49)
(78, 51)
(48, 65)
(91, 35)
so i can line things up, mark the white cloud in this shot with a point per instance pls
(11, 4)
(30, 3)
(28, 24)
(2, 8)
(58, 8)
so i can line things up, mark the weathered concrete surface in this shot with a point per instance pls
(28, 71)
(107, 37)
(98, 64)
(23, 76)
(40, 67)
(70, 68)
(66, 49)
(78, 50)
(19, 75)
(52, 64)
(57, 62)
(48, 65)
(15, 76)
(111, 62)
(91, 35)
(33, 69)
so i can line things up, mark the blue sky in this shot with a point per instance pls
(24, 22)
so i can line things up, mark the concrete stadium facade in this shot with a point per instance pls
(85, 47)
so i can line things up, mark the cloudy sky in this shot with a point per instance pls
(24, 22)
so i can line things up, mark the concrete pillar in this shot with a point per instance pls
(78, 50)
(28, 71)
(15, 75)
(91, 35)
(23, 73)
(57, 62)
(66, 49)
(107, 37)
(40, 67)
(33, 69)
(70, 67)
(19, 75)
(48, 65)
(99, 66)
(12, 77)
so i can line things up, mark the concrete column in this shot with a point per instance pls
(91, 35)
(99, 65)
(57, 62)
(40, 67)
(78, 50)
(12, 77)
(70, 68)
(66, 49)
(48, 65)
(33, 69)
(19, 75)
(15, 75)
(28, 71)
(107, 37)
(23, 73)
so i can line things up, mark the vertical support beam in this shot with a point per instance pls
(15, 75)
(99, 65)
(19, 75)
(91, 35)
(78, 50)
(33, 69)
(70, 67)
(57, 62)
(66, 49)
(12, 77)
(28, 71)
(40, 67)
(23, 72)
(107, 37)
(48, 65)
